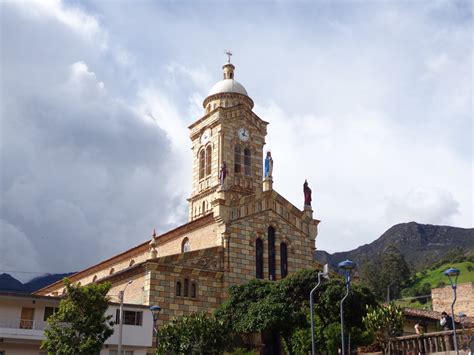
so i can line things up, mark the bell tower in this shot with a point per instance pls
(227, 145)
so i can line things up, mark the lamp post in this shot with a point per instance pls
(121, 294)
(324, 274)
(155, 310)
(347, 267)
(453, 275)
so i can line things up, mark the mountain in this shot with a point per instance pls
(421, 244)
(9, 284)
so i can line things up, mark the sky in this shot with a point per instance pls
(371, 102)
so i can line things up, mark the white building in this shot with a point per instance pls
(23, 320)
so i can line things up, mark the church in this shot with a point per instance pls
(238, 229)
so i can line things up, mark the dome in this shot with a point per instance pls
(228, 85)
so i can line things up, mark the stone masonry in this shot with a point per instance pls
(443, 297)
(190, 268)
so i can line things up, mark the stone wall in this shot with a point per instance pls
(443, 297)
(163, 284)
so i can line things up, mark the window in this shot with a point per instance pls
(27, 316)
(94, 278)
(208, 160)
(237, 159)
(193, 290)
(185, 246)
(283, 260)
(271, 253)
(178, 288)
(124, 352)
(186, 288)
(205, 162)
(202, 163)
(131, 262)
(111, 271)
(129, 317)
(247, 162)
(203, 206)
(259, 258)
(48, 312)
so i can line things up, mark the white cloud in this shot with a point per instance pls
(375, 109)
(424, 205)
(71, 17)
(85, 81)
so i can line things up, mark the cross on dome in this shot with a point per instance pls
(229, 54)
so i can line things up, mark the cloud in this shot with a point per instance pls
(371, 102)
(425, 205)
(82, 170)
(17, 252)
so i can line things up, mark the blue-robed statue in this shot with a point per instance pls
(268, 165)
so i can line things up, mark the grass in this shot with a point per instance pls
(436, 278)
(422, 283)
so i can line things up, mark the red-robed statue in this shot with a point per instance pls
(307, 194)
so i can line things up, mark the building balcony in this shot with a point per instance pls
(22, 328)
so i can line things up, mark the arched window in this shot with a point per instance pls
(178, 288)
(193, 290)
(186, 288)
(111, 271)
(131, 263)
(247, 161)
(237, 159)
(259, 258)
(283, 260)
(202, 163)
(185, 245)
(94, 278)
(271, 253)
(208, 160)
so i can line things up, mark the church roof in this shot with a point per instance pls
(228, 85)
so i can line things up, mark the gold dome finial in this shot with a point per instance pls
(228, 67)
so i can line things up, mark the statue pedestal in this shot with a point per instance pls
(268, 183)
(308, 211)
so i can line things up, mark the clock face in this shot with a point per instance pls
(243, 134)
(205, 136)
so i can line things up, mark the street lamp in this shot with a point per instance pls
(121, 294)
(453, 275)
(324, 274)
(155, 310)
(346, 267)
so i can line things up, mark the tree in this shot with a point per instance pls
(384, 322)
(193, 334)
(259, 306)
(80, 325)
(386, 273)
(282, 308)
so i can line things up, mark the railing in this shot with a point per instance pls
(429, 342)
(22, 324)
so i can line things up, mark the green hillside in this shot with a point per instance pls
(422, 283)
(435, 277)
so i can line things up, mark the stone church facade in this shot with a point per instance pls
(239, 228)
